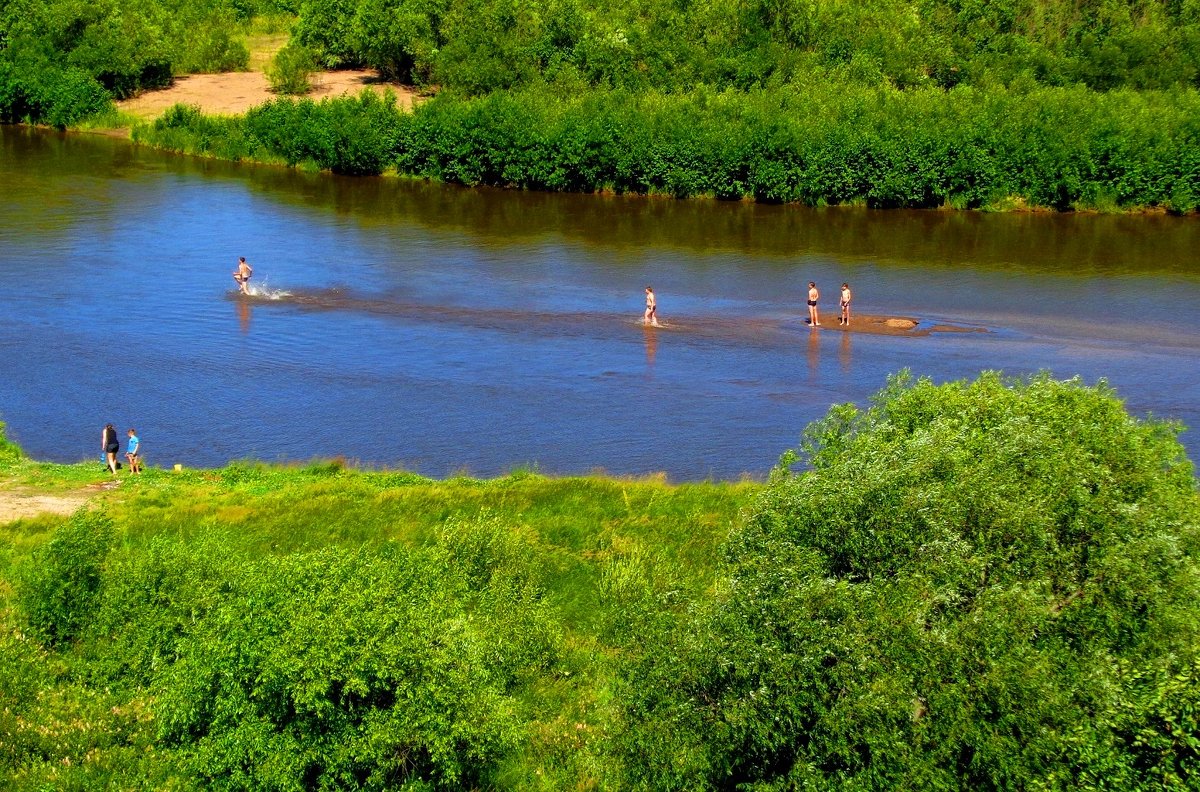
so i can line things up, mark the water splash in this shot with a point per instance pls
(265, 292)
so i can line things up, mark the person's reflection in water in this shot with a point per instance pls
(844, 352)
(814, 353)
(243, 313)
(651, 336)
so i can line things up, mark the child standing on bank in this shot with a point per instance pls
(132, 451)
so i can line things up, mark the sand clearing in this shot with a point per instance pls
(892, 325)
(236, 92)
(21, 503)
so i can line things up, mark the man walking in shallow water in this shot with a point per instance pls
(813, 296)
(651, 316)
(242, 275)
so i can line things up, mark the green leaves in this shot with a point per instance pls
(960, 580)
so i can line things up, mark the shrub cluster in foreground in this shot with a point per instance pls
(973, 585)
(1055, 147)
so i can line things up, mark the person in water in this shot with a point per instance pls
(845, 317)
(131, 452)
(651, 316)
(813, 296)
(110, 445)
(242, 275)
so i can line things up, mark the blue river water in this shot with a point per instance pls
(404, 324)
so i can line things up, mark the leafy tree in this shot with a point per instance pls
(974, 585)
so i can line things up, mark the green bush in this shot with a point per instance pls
(9, 451)
(291, 70)
(977, 585)
(59, 591)
(372, 669)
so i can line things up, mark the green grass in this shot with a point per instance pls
(598, 545)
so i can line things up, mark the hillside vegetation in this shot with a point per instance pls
(889, 102)
(975, 585)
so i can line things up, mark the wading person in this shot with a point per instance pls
(242, 275)
(131, 452)
(813, 296)
(651, 316)
(845, 303)
(110, 445)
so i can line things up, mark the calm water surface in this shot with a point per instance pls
(446, 330)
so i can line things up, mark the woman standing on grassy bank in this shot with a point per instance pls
(110, 445)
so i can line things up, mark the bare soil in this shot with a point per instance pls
(16, 504)
(234, 93)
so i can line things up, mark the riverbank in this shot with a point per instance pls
(821, 144)
(299, 626)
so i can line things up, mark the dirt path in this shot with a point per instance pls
(236, 92)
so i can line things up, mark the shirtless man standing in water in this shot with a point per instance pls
(651, 317)
(813, 296)
(242, 275)
(844, 319)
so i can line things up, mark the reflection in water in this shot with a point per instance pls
(243, 314)
(651, 336)
(814, 352)
(844, 352)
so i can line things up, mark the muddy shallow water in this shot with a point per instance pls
(400, 323)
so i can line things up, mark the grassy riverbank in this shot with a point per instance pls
(975, 584)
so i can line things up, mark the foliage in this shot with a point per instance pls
(485, 45)
(977, 585)
(60, 588)
(359, 670)
(9, 451)
(291, 70)
(355, 137)
(1064, 148)
(493, 584)
(971, 585)
(61, 60)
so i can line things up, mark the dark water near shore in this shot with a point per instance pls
(443, 329)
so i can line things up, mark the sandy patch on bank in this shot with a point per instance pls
(19, 504)
(236, 92)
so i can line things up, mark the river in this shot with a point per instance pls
(449, 330)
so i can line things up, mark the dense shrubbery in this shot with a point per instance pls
(291, 70)
(9, 451)
(1053, 147)
(62, 61)
(976, 586)
(485, 45)
(61, 588)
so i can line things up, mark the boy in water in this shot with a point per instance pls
(845, 317)
(813, 296)
(242, 275)
(131, 452)
(651, 317)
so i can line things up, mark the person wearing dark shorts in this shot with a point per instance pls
(110, 445)
(242, 275)
(813, 297)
